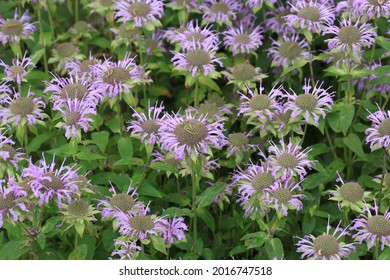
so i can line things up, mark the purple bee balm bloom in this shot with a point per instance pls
(276, 21)
(349, 6)
(12, 30)
(146, 126)
(310, 15)
(114, 78)
(288, 49)
(259, 105)
(220, 10)
(167, 158)
(194, 34)
(243, 39)
(20, 109)
(18, 70)
(379, 132)
(77, 116)
(125, 250)
(47, 181)
(363, 82)
(212, 110)
(310, 104)
(9, 156)
(197, 60)
(374, 8)
(372, 228)
(350, 37)
(139, 226)
(190, 136)
(173, 230)
(238, 143)
(326, 246)
(289, 161)
(73, 87)
(4, 92)
(281, 197)
(81, 68)
(140, 12)
(187, 5)
(11, 206)
(112, 206)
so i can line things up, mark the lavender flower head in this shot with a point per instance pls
(147, 126)
(5, 91)
(18, 70)
(9, 156)
(276, 21)
(141, 13)
(173, 230)
(81, 68)
(238, 144)
(12, 30)
(197, 60)
(372, 228)
(190, 136)
(326, 246)
(243, 39)
(310, 104)
(221, 11)
(244, 75)
(62, 53)
(310, 15)
(187, 5)
(289, 160)
(125, 250)
(363, 82)
(374, 8)
(21, 110)
(195, 34)
(378, 135)
(288, 50)
(11, 204)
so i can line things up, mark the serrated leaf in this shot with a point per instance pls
(207, 196)
(274, 248)
(382, 70)
(79, 226)
(308, 224)
(352, 141)
(38, 140)
(238, 250)
(101, 42)
(385, 80)
(158, 244)
(14, 249)
(100, 139)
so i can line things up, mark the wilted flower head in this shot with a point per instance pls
(11, 203)
(289, 160)
(125, 250)
(379, 132)
(351, 37)
(82, 29)
(147, 126)
(194, 34)
(18, 70)
(12, 30)
(81, 68)
(239, 143)
(374, 8)
(79, 211)
(326, 246)
(21, 110)
(141, 13)
(243, 39)
(310, 104)
(64, 52)
(221, 11)
(310, 15)
(197, 60)
(287, 50)
(372, 228)
(212, 108)
(190, 136)
(173, 230)
(244, 75)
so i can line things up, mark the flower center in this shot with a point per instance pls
(349, 35)
(287, 160)
(7, 202)
(172, 161)
(72, 91)
(55, 183)
(378, 225)
(190, 132)
(195, 37)
(243, 39)
(12, 27)
(72, 118)
(142, 223)
(209, 109)
(352, 192)
(127, 33)
(150, 126)
(16, 70)
(285, 117)
(243, 71)
(384, 128)
(81, 26)
(290, 49)
(219, 8)
(377, 2)
(66, 49)
(22, 106)
(116, 75)
(78, 208)
(123, 202)
(139, 9)
(85, 65)
(197, 58)
(326, 245)
(310, 13)
(11, 152)
(282, 195)
(386, 181)
(281, 15)
(262, 180)
(238, 140)
(259, 102)
(306, 102)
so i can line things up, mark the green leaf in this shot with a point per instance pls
(86, 155)
(163, 167)
(341, 117)
(125, 148)
(255, 240)
(147, 188)
(385, 80)
(385, 255)
(352, 141)
(383, 42)
(172, 212)
(121, 181)
(209, 83)
(318, 149)
(101, 42)
(36, 56)
(207, 218)
(158, 244)
(80, 253)
(79, 226)
(100, 139)
(308, 224)
(382, 70)
(41, 240)
(38, 140)
(274, 248)
(207, 196)
(14, 249)
(238, 250)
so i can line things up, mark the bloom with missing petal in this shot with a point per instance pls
(62, 53)
(81, 68)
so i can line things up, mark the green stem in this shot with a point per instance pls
(75, 244)
(311, 66)
(383, 176)
(119, 113)
(376, 252)
(195, 186)
(53, 35)
(141, 58)
(196, 101)
(330, 143)
(42, 37)
(304, 134)
(76, 10)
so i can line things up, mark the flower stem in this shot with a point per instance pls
(76, 10)
(196, 101)
(383, 176)
(42, 37)
(311, 66)
(330, 143)
(119, 114)
(376, 252)
(141, 58)
(195, 186)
